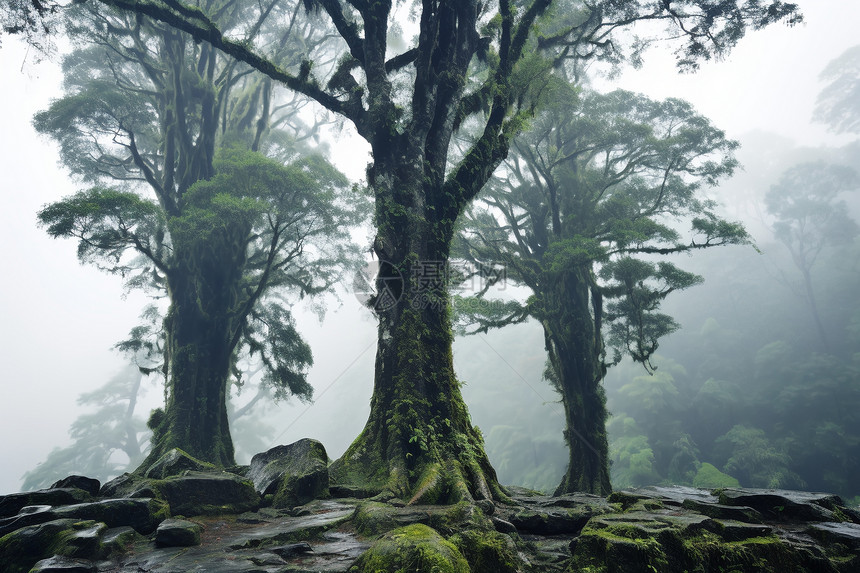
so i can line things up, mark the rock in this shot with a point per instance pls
(178, 533)
(846, 533)
(117, 540)
(89, 485)
(11, 504)
(143, 514)
(731, 530)
(174, 462)
(720, 511)
(503, 526)
(295, 474)
(415, 548)
(292, 550)
(546, 515)
(21, 549)
(121, 486)
(783, 504)
(192, 493)
(204, 493)
(329, 515)
(351, 491)
(487, 551)
(563, 521)
(57, 564)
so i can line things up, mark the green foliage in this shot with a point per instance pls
(630, 453)
(709, 477)
(753, 457)
(201, 195)
(592, 186)
(108, 225)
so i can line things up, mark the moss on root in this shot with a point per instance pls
(415, 548)
(487, 551)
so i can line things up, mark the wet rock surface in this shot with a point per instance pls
(237, 530)
(178, 533)
(294, 474)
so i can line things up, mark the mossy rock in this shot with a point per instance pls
(174, 463)
(203, 493)
(192, 493)
(142, 514)
(11, 504)
(374, 518)
(635, 548)
(412, 549)
(178, 533)
(487, 551)
(294, 474)
(21, 549)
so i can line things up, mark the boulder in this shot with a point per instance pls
(58, 564)
(118, 540)
(21, 549)
(415, 548)
(174, 462)
(89, 485)
(142, 514)
(292, 550)
(295, 474)
(847, 534)
(178, 533)
(487, 551)
(123, 486)
(205, 493)
(192, 493)
(784, 504)
(13, 503)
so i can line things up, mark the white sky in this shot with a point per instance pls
(58, 320)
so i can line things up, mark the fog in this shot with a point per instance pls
(60, 319)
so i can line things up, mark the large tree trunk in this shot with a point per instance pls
(575, 348)
(198, 353)
(419, 442)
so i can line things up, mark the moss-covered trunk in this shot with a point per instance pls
(575, 346)
(198, 351)
(419, 442)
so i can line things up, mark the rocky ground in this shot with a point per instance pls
(280, 515)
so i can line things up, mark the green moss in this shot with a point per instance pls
(487, 551)
(372, 518)
(21, 549)
(709, 476)
(412, 549)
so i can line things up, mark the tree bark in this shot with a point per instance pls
(419, 442)
(199, 352)
(572, 324)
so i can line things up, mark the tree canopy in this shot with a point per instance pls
(470, 61)
(186, 204)
(588, 199)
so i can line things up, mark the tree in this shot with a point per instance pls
(419, 442)
(585, 203)
(185, 204)
(106, 439)
(809, 216)
(34, 20)
(838, 104)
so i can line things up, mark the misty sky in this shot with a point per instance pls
(59, 319)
